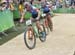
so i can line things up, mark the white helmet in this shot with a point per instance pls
(48, 3)
(27, 3)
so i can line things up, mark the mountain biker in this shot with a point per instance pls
(46, 10)
(35, 14)
(44, 4)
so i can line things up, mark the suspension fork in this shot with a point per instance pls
(30, 33)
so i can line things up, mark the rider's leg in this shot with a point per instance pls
(46, 22)
(50, 21)
(38, 25)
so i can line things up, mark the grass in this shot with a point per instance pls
(12, 33)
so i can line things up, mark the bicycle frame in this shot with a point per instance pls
(34, 27)
(35, 30)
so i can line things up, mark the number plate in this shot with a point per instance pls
(43, 15)
(28, 22)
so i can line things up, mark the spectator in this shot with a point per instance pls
(3, 6)
(67, 3)
(31, 1)
(7, 3)
(57, 3)
(72, 2)
(11, 5)
(21, 7)
(54, 7)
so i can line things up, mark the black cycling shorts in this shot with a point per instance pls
(34, 16)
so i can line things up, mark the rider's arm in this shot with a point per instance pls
(22, 16)
(38, 13)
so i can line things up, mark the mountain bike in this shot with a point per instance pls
(32, 32)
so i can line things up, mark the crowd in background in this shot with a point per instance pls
(64, 3)
(8, 4)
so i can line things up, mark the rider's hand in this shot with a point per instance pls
(21, 20)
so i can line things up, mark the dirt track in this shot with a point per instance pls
(60, 42)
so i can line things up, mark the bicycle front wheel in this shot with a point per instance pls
(29, 39)
(42, 34)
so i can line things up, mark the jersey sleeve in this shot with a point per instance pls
(34, 7)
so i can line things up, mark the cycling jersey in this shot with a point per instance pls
(32, 12)
(46, 9)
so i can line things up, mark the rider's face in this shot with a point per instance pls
(28, 8)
